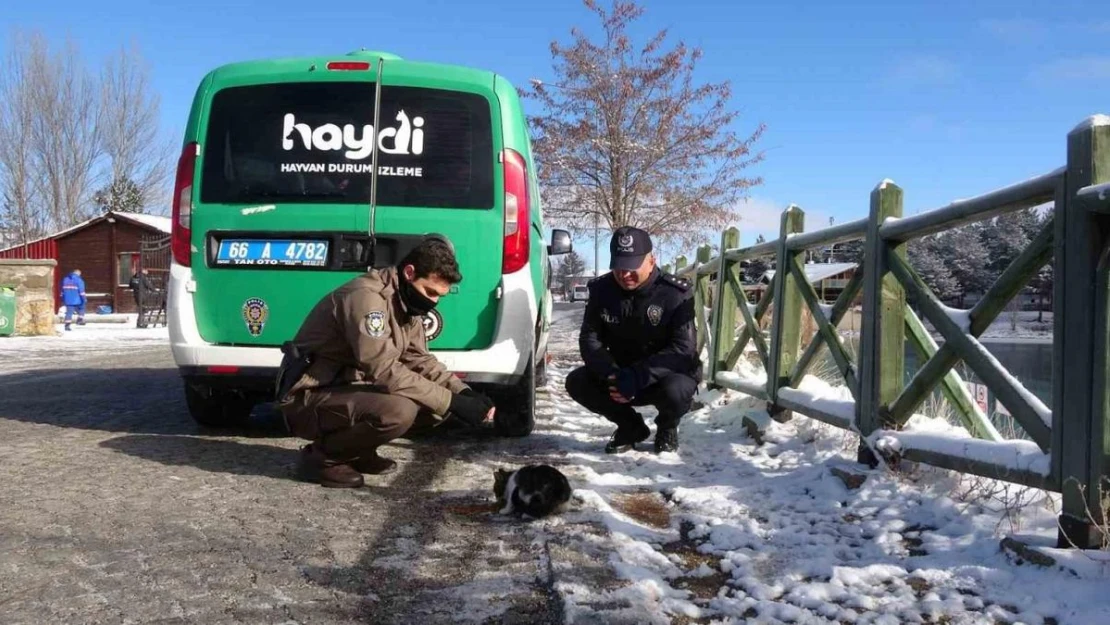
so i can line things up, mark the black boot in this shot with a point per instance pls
(666, 439)
(374, 464)
(627, 435)
(315, 467)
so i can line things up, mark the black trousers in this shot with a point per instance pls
(671, 396)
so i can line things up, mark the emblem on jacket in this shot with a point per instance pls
(375, 323)
(655, 314)
(433, 325)
(607, 316)
(255, 314)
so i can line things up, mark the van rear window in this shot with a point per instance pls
(311, 143)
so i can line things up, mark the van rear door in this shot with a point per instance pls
(282, 209)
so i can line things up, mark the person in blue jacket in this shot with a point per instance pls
(73, 296)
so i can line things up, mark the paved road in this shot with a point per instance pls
(115, 507)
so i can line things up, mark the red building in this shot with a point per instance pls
(105, 249)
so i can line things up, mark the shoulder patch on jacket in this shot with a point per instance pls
(375, 323)
(682, 284)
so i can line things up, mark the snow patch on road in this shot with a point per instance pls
(90, 340)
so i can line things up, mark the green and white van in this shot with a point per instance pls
(275, 204)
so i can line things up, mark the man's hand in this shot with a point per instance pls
(469, 392)
(622, 386)
(473, 408)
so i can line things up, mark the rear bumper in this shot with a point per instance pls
(258, 380)
(504, 362)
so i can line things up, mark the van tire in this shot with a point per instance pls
(217, 410)
(522, 419)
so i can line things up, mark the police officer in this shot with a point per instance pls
(638, 341)
(358, 373)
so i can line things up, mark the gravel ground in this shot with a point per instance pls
(115, 507)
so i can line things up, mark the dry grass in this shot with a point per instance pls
(646, 507)
(703, 587)
(1102, 522)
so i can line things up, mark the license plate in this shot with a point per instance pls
(273, 252)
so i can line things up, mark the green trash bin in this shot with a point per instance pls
(7, 311)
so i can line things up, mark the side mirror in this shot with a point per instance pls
(560, 243)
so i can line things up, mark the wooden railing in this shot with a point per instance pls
(1067, 448)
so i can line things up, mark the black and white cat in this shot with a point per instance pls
(536, 490)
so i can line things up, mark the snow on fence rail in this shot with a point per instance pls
(1065, 452)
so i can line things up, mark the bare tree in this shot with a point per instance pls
(64, 130)
(129, 133)
(627, 135)
(19, 214)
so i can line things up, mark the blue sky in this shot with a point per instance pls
(947, 101)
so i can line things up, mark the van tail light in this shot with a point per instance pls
(182, 226)
(517, 213)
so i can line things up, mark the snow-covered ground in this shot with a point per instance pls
(1026, 326)
(99, 336)
(734, 531)
(1003, 328)
(731, 531)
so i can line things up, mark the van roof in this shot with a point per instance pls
(285, 68)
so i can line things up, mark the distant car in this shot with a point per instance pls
(579, 293)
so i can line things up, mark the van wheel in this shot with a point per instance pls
(214, 409)
(520, 419)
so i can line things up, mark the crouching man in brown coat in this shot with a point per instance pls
(358, 373)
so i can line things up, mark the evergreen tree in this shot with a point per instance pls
(121, 195)
(966, 258)
(926, 258)
(757, 266)
(1043, 283)
(1007, 236)
(848, 252)
(571, 265)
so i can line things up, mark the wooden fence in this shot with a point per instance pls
(1068, 450)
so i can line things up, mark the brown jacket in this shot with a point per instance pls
(361, 333)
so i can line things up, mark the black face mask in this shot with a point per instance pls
(414, 300)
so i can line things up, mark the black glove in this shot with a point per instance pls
(469, 392)
(469, 408)
(627, 384)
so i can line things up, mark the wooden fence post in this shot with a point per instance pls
(786, 324)
(724, 307)
(1080, 414)
(882, 351)
(700, 283)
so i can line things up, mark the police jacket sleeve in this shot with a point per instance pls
(679, 355)
(594, 353)
(368, 329)
(419, 359)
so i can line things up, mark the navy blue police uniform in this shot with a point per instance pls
(640, 342)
